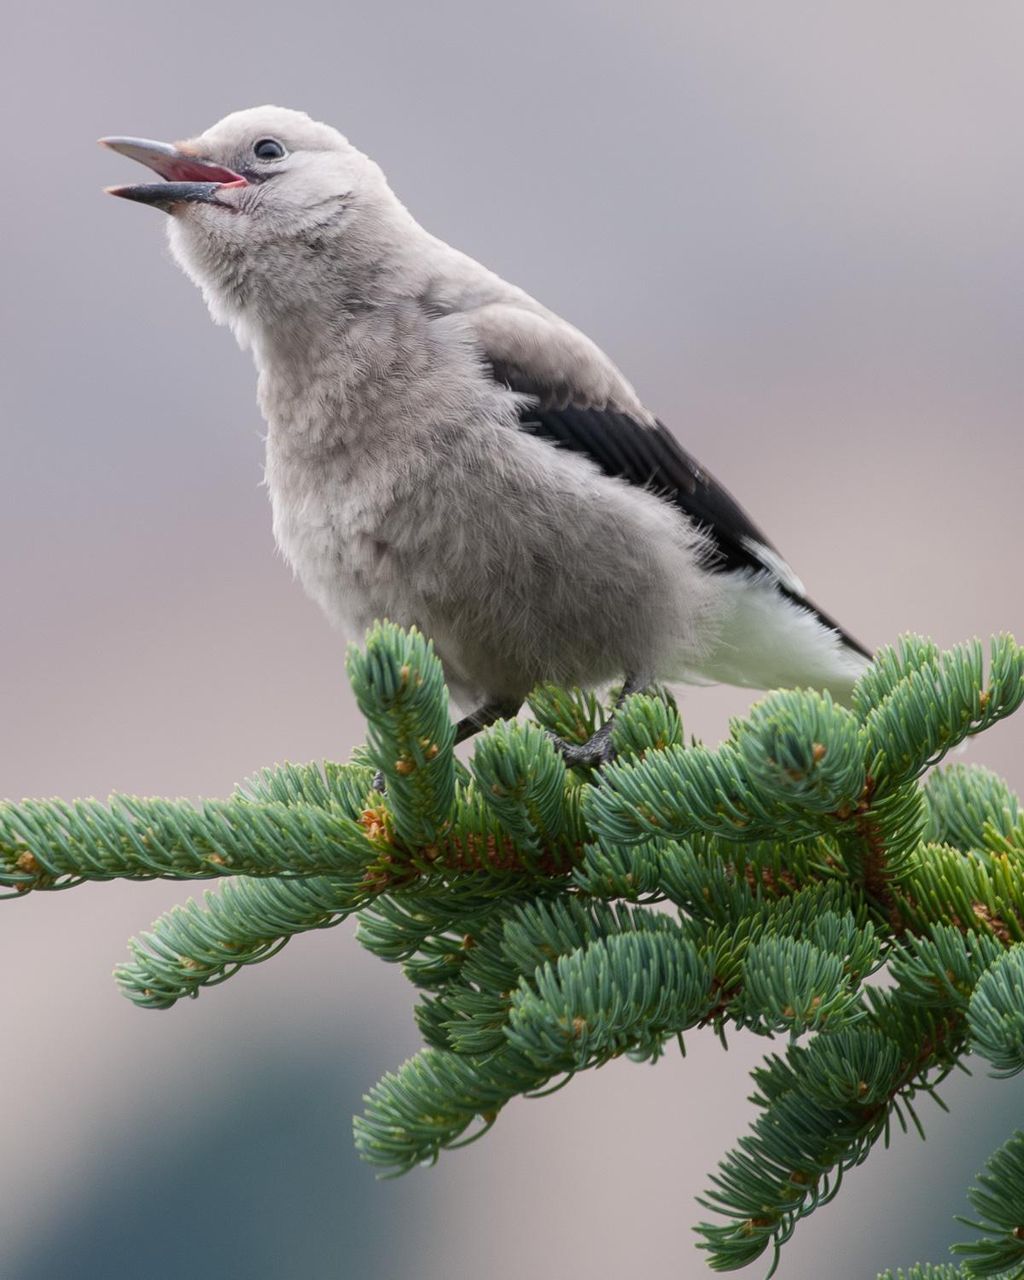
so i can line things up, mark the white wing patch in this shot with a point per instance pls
(775, 565)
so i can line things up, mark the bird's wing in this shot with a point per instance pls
(580, 401)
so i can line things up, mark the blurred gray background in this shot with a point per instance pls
(797, 227)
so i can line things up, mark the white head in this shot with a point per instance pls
(267, 208)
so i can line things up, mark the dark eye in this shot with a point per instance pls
(267, 149)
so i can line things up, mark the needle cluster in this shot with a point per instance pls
(552, 919)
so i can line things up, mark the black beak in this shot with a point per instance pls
(189, 178)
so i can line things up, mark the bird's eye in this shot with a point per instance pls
(267, 149)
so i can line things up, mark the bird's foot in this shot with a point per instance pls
(592, 754)
(598, 749)
(378, 782)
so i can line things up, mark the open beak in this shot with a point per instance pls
(186, 177)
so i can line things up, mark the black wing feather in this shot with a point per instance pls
(651, 457)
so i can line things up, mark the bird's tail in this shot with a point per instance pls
(768, 639)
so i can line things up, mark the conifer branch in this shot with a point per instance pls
(200, 944)
(53, 844)
(791, 862)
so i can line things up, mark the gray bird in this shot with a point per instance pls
(443, 450)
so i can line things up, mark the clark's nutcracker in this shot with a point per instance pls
(443, 450)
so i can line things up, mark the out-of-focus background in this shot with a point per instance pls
(798, 228)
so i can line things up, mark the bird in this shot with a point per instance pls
(444, 451)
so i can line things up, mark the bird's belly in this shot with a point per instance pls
(521, 564)
(332, 540)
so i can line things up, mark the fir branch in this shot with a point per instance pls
(200, 944)
(969, 807)
(942, 700)
(432, 1100)
(998, 1200)
(789, 984)
(399, 686)
(646, 723)
(943, 966)
(324, 785)
(634, 872)
(995, 1015)
(798, 1150)
(791, 862)
(522, 778)
(971, 891)
(53, 844)
(630, 991)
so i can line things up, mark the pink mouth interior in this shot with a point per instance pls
(180, 168)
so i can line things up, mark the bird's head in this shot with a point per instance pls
(257, 196)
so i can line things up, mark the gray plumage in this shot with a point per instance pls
(399, 378)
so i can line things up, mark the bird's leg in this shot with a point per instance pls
(482, 718)
(598, 749)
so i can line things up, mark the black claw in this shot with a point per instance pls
(592, 754)
(378, 782)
